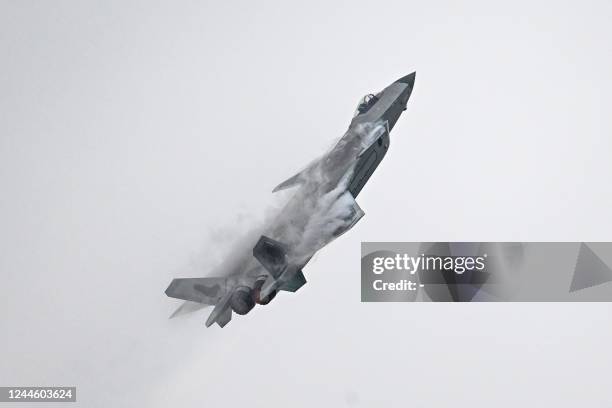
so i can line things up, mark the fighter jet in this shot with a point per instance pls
(321, 208)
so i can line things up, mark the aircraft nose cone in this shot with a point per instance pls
(408, 79)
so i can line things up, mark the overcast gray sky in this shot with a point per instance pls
(137, 139)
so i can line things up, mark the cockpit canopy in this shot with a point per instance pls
(366, 103)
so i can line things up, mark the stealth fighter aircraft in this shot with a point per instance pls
(322, 207)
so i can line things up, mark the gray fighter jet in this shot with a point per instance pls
(322, 208)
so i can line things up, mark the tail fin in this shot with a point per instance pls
(271, 254)
(207, 291)
(222, 313)
(297, 281)
(225, 317)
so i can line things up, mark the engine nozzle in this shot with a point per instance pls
(257, 292)
(242, 300)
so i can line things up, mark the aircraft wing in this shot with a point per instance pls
(297, 179)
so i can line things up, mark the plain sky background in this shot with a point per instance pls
(138, 139)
